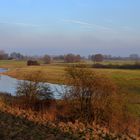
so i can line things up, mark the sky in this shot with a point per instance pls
(36, 27)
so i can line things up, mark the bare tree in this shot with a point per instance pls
(134, 57)
(97, 58)
(47, 59)
(34, 91)
(3, 55)
(17, 56)
(91, 95)
(71, 58)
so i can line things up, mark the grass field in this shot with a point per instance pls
(127, 80)
(12, 64)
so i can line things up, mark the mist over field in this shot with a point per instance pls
(70, 27)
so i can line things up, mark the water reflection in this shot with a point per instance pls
(9, 84)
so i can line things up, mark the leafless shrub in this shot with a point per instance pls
(47, 59)
(71, 58)
(33, 93)
(93, 97)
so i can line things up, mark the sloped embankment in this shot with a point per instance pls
(18, 124)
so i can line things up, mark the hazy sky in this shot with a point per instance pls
(76, 26)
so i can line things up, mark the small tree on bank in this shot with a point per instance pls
(34, 91)
(93, 97)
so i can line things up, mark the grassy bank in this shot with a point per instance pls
(127, 80)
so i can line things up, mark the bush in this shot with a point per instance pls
(47, 59)
(71, 58)
(32, 63)
(93, 97)
(33, 92)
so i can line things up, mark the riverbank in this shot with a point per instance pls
(22, 124)
(55, 72)
(126, 80)
(19, 124)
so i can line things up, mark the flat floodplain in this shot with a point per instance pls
(128, 81)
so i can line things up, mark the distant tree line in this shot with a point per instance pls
(117, 66)
(3, 55)
(13, 55)
(102, 57)
(67, 58)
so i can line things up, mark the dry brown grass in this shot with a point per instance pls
(47, 121)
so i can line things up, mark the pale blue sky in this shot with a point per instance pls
(76, 26)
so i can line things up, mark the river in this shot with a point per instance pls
(9, 84)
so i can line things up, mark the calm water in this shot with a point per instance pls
(9, 84)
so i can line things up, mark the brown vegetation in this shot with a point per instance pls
(71, 58)
(95, 98)
(47, 59)
(32, 63)
(113, 66)
(34, 94)
(97, 58)
(3, 55)
(91, 107)
(17, 123)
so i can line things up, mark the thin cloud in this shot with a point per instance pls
(77, 22)
(86, 24)
(20, 24)
(26, 24)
